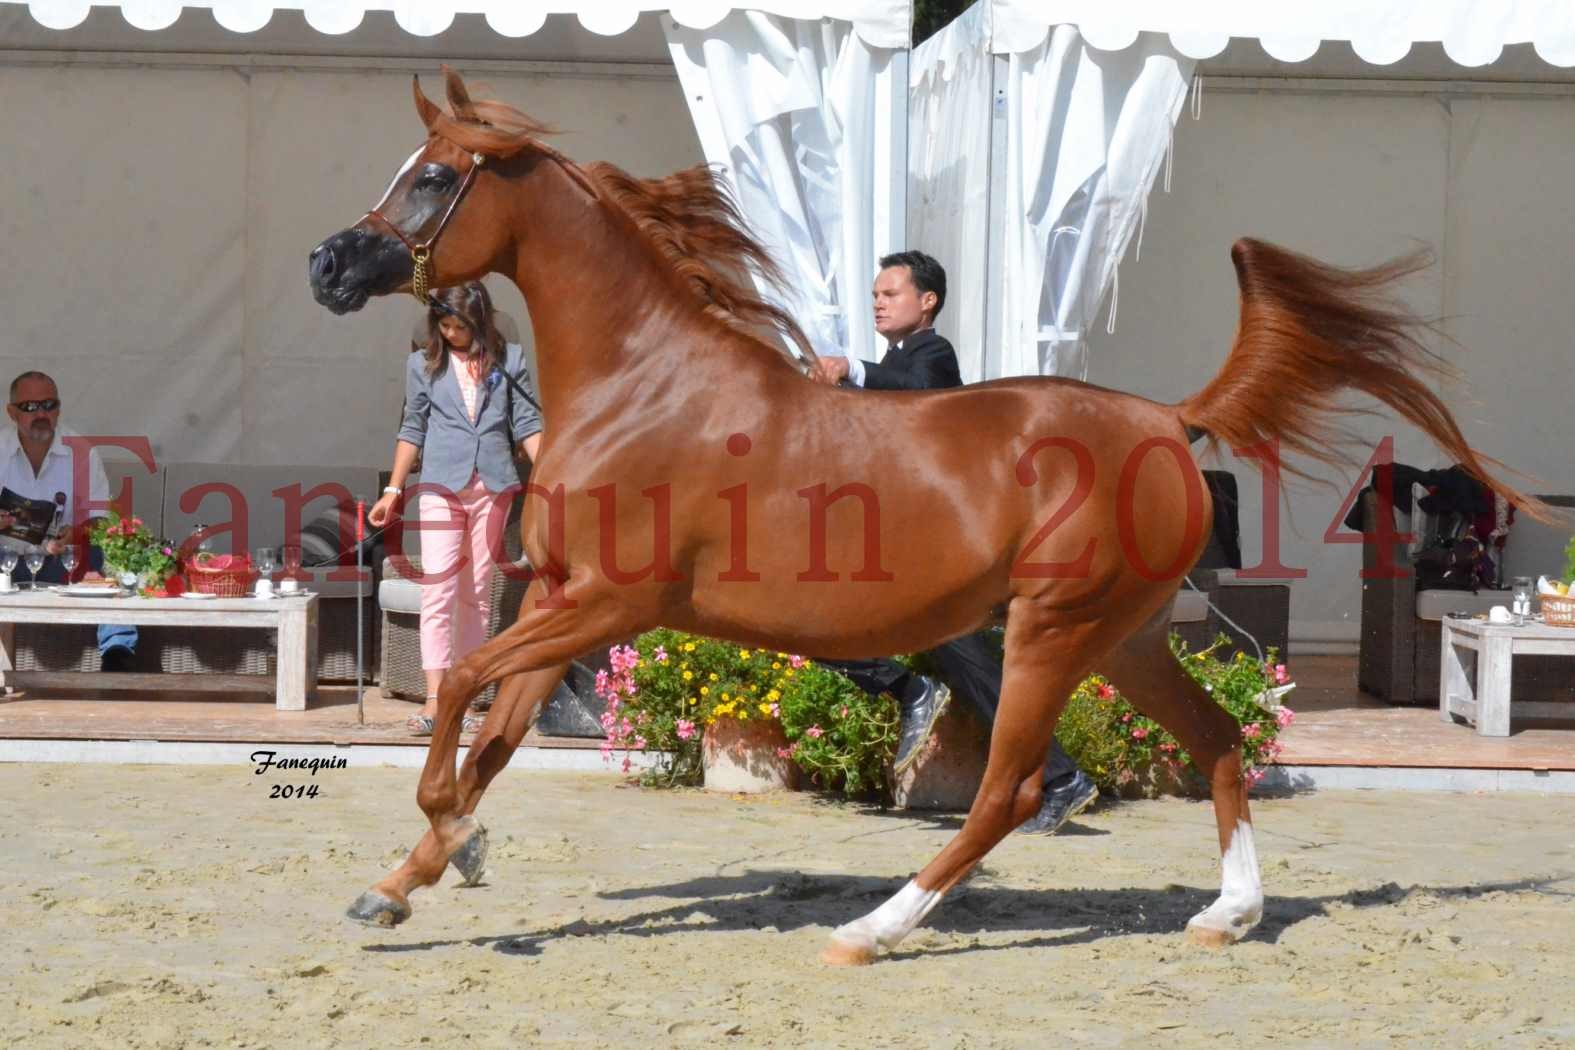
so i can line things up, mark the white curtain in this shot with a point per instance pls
(810, 124)
(1087, 132)
(949, 176)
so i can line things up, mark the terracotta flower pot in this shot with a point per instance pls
(743, 756)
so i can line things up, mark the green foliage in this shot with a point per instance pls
(1569, 563)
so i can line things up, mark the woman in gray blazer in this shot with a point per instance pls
(466, 422)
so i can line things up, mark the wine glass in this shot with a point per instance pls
(35, 563)
(8, 560)
(291, 554)
(267, 561)
(68, 558)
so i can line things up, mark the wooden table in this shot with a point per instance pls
(294, 617)
(1481, 694)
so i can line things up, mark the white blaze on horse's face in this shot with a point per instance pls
(409, 163)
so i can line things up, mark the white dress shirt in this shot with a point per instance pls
(856, 367)
(56, 475)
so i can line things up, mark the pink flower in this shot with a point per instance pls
(1167, 748)
(606, 750)
(608, 721)
(776, 711)
(1284, 716)
(814, 732)
(639, 743)
(1251, 731)
(660, 656)
(1126, 718)
(601, 683)
(795, 662)
(1253, 776)
(1281, 675)
(686, 729)
(626, 763)
(1139, 733)
(842, 712)
(784, 752)
(1107, 692)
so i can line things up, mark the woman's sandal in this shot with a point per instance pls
(422, 725)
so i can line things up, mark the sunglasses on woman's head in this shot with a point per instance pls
(48, 404)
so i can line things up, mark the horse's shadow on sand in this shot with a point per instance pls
(787, 900)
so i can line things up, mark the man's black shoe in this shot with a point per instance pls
(117, 658)
(918, 720)
(1061, 804)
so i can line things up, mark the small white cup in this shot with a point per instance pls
(6, 586)
(289, 586)
(265, 588)
(1499, 614)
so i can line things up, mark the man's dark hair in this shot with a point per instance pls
(24, 377)
(928, 275)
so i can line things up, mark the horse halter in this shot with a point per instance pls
(421, 253)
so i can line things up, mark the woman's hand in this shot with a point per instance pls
(382, 510)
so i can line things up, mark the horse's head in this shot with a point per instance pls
(436, 218)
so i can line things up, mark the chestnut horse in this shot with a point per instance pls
(692, 476)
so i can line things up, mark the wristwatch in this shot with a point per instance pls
(392, 490)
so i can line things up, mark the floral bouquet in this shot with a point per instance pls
(129, 546)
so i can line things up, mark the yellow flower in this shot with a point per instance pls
(689, 647)
(754, 689)
(713, 676)
(705, 690)
(765, 709)
(789, 671)
(688, 675)
(775, 666)
(773, 696)
(639, 663)
(743, 654)
(724, 698)
(693, 702)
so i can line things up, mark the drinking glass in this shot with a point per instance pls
(68, 558)
(1523, 591)
(267, 561)
(292, 560)
(35, 563)
(8, 559)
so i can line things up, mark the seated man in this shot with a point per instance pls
(35, 463)
(909, 292)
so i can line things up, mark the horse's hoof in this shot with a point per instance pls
(374, 909)
(841, 953)
(471, 857)
(1208, 937)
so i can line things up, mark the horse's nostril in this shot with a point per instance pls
(322, 263)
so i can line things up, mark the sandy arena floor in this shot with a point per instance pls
(153, 906)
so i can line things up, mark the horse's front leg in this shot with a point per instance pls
(535, 651)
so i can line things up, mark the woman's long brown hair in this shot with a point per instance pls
(471, 304)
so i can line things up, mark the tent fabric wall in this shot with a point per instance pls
(1355, 176)
(159, 266)
(806, 120)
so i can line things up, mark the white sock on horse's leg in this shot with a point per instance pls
(1240, 904)
(887, 925)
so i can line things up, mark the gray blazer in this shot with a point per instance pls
(451, 445)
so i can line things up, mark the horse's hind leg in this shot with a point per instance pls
(387, 903)
(1148, 675)
(1043, 666)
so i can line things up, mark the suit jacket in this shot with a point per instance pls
(452, 447)
(926, 361)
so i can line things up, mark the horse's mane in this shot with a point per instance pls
(690, 217)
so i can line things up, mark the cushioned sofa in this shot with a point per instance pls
(1402, 632)
(173, 501)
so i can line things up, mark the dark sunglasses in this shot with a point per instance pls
(49, 404)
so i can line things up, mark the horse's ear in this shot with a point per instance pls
(424, 106)
(458, 97)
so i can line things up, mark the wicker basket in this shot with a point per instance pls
(226, 583)
(1558, 611)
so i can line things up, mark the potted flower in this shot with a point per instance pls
(131, 550)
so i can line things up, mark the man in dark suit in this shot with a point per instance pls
(909, 292)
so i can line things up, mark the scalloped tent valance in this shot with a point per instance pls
(879, 23)
(1472, 32)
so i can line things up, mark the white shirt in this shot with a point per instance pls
(856, 367)
(56, 475)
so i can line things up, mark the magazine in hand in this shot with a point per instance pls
(30, 518)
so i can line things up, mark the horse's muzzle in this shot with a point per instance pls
(352, 266)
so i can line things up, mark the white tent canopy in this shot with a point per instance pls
(881, 23)
(1473, 32)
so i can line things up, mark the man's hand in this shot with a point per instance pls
(832, 370)
(54, 548)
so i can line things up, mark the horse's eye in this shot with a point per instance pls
(433, 181)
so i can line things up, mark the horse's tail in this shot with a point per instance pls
(1309, 331)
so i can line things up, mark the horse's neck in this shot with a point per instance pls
(605, 311)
